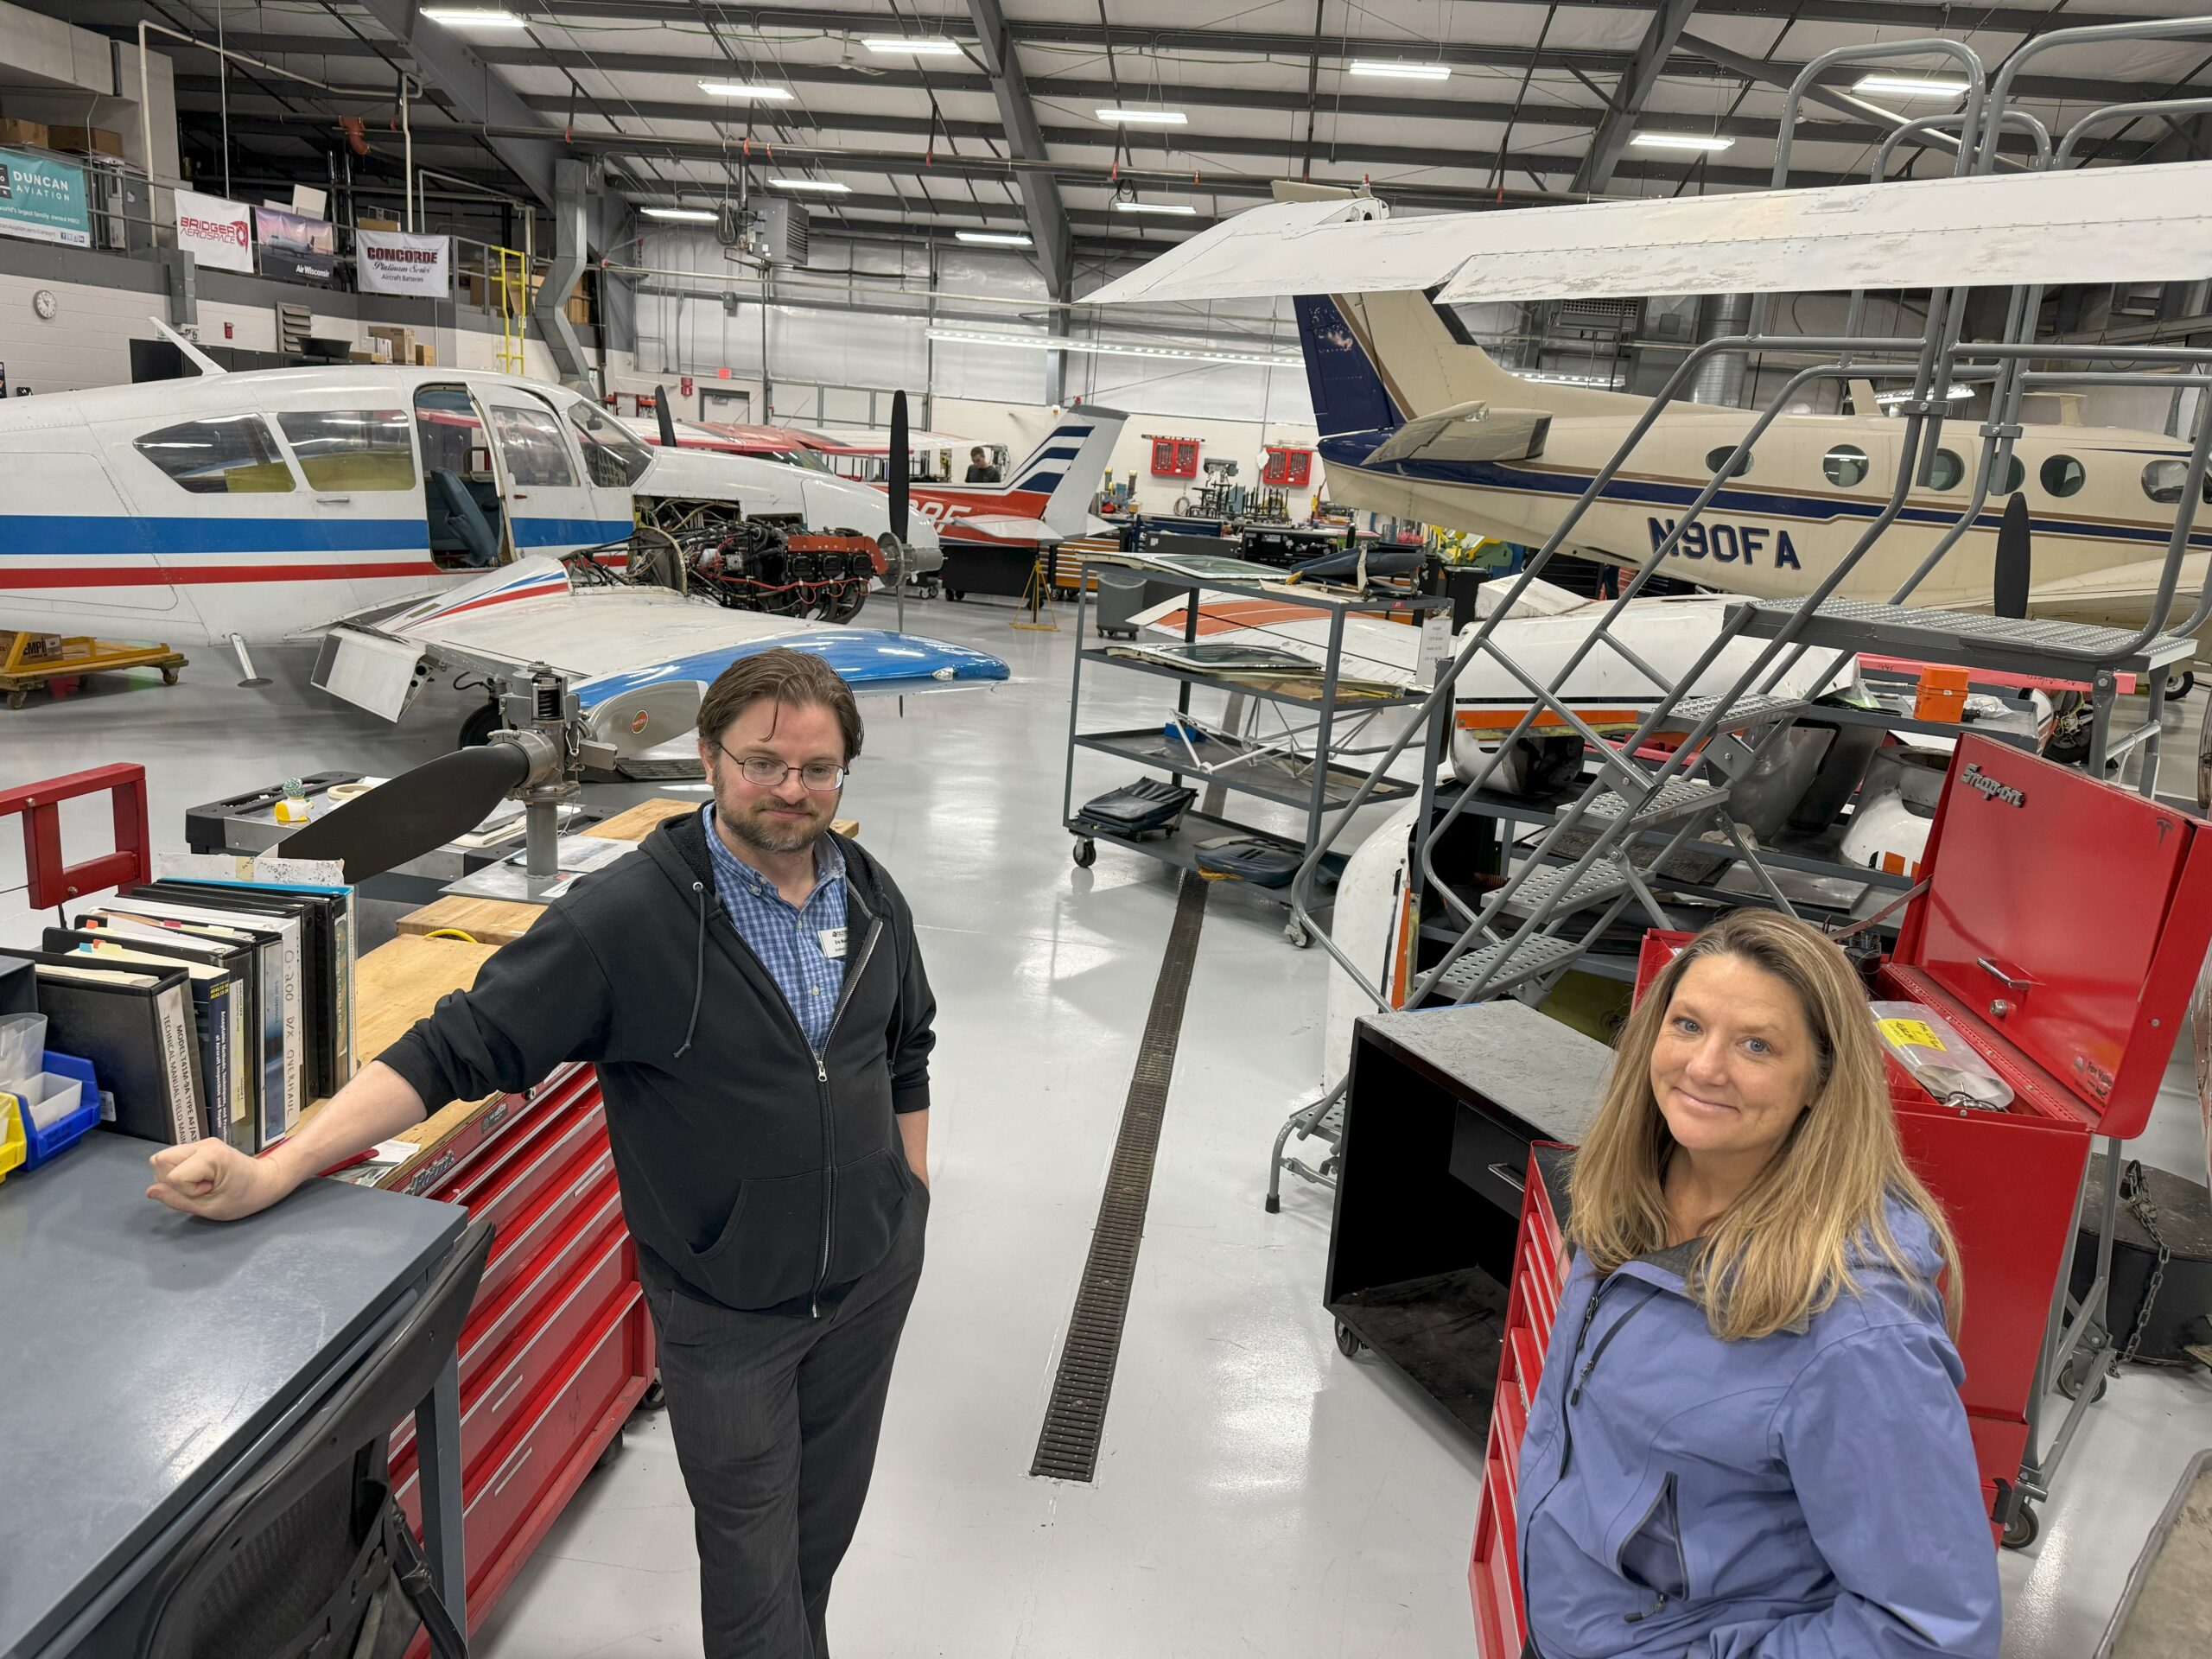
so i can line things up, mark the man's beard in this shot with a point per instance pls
(771, 836)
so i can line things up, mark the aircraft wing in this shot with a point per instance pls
(2119, 595)
(995, 528)
(2085, 225)
(626, 649)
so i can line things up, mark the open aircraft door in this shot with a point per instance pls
(553, 506)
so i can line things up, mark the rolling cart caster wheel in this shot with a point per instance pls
(2180, 686)
(654, 1398)
(608, 1453)
(168, 677)
(1296, 933)
(2070, 1380)
(2020, 1531)
(1086, 852)
(18, 699)
(1347, 1344)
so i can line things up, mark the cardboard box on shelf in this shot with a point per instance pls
(426, 356)
(359, 356)
(396, 341)
(30, 133)
(86, 140)
(368, 222)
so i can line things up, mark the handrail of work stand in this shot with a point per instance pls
(52, 881)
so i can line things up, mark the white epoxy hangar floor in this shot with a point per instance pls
(1256, 1491)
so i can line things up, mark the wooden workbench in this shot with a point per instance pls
(502, 921)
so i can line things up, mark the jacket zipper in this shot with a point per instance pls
(829, 1116)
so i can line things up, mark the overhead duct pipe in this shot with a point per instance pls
(573, 182)
(1720, 378)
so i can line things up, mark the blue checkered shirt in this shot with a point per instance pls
(787, 939)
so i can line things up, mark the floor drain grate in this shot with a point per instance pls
(1067, 1447)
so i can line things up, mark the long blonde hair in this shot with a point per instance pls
(1782, 1252)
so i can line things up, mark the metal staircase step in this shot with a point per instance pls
(1678, 797)
(1547, 886)
(1743, 714)
(2003, 643)
(1524, 960)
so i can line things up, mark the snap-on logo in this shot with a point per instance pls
(1975, 778)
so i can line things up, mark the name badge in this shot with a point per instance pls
(833, 943)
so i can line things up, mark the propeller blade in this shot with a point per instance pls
(667, 419)
(412, 813)
(2013, 570)
(901, 463)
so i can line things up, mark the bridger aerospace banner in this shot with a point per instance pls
(392, 262)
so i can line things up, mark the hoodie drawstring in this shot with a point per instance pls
(698, 972)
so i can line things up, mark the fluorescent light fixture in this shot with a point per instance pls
(1953, 396)
(827, 186)
(1097, 349)
(1698, 141)
(920, 46)
(1144, 117)
(1401, 69)
(474, 17)
(1911, 86)
(753, 91)
(688, 215)
(1551, 378)
(1181, 208)
(994, 238)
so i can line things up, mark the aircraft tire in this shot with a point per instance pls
(477, 729)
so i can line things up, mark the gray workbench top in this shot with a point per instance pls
(1548, 1075)
(142, 1350)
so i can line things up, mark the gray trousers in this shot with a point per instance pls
(775, 1419)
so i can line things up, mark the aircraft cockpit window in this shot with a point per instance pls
(1845, 465)
(227, 455)
(614, 458)
(2163, 481)
(536, 456)
(1715, 460)
(351, 449)
(2062, 475)
(1945, 470)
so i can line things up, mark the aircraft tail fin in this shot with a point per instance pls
(1374, 361)
(192, 353)
(1067, 466)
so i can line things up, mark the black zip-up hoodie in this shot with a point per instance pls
(762, 1174)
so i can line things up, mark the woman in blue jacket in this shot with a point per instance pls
(1748, 1442)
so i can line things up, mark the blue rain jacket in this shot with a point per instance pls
(1810, 1495)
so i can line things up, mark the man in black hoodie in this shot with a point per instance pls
(749, 987)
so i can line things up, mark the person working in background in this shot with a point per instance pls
(1747, 1441)
(979, 470)
(750, 989)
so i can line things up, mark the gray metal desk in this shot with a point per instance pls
(147, 1360)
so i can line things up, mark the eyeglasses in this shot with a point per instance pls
(764, 773)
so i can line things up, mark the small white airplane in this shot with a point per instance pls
(253, 508)
(1045, 499)
(1418, 422)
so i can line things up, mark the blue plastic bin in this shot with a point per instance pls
(41, 1145)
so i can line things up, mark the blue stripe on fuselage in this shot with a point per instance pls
(1351, 450)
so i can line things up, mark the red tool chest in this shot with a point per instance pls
(558, 1348)
(2061, 934)
(1174, 457)
(1287, 467)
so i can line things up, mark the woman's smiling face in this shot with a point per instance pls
(1735, 1061)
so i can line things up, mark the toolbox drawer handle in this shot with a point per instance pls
(513, 1468)
(583, 1184)
(513, 1382)
(1505, 1172)
(2010, 979)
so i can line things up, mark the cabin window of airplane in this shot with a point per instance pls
(2062, 475)
(1845, 465)
(536, 456)
(229, 455)
(614, 459)
(2163, 481)
(2015, 475)
(351, 449)
(1716, 459)
(1945, 470)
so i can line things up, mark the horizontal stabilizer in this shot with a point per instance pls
(1473, 431)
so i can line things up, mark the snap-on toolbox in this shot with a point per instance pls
(2061, 933)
